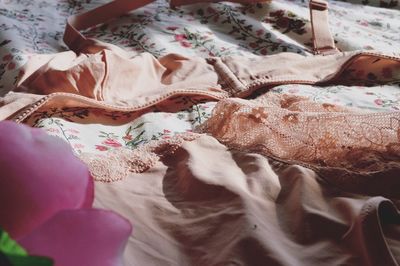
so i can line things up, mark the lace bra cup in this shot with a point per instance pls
(355, 150)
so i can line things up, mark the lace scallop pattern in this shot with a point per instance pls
(119, 163)
(292, 128)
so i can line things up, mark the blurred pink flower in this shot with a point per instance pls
(81, 237)
(46, 195)
(39, 176)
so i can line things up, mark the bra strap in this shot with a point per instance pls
(323, 41)
(74, 39)
(175, 3)
(322, 38)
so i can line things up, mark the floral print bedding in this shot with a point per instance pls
(214, 29)
(96, 137)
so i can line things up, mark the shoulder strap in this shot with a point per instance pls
(74, 39)
(322, 38)
(175, 3)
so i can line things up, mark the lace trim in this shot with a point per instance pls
(295, 129)
(119, 163)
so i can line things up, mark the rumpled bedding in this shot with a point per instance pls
(31, 27)
(261, 211)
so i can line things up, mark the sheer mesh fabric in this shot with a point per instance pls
(119, 163)
(294, 129)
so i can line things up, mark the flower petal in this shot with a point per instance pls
(39, 175)
(81, 237)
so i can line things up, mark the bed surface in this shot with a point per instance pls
(216, 29)
(31, 27)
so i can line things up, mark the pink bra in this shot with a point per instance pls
(101, 75)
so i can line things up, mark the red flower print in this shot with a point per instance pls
(186, 44)
(378, 102)
(53, 130)
(253, 45)
(264, 51)
(127, 137)
(180, 37)
(11, 66)
(278, 13)
(7, 57)
(101, 148)
(172, 28)
(259, 32)
(78, 146)
(166, 131)
(112, 143)
(283, 22)
(73, 131)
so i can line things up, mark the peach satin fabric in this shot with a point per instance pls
(206, 204)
